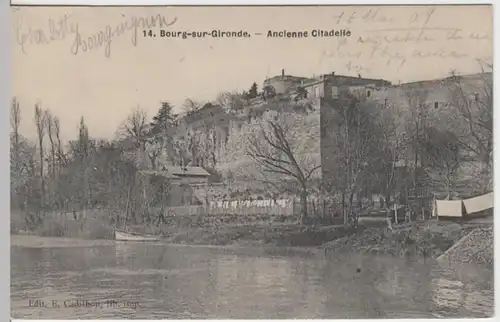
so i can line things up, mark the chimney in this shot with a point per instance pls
(333, 73)
(283, 73)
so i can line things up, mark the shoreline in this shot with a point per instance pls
(34, 241)
(420, 240)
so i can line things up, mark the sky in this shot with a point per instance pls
(103, 79)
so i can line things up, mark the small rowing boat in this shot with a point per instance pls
(121, 235)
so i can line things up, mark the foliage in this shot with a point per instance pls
(357, 140)
(274, 143)
(281, 153)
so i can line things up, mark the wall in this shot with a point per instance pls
(304, 133)
(439, 112)
(328, 116)
(283, 84)
(330, 107)
(312, 130)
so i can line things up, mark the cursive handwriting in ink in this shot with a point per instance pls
(422, 17)
(392, 57)
(55, 30)
(441, 53)
(356, 68)
(105, 37)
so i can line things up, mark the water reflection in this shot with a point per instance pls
(198, 282)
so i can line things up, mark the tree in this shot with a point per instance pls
(22, 159)
(135, 126)
(40, 124)
(61, 158)
(191, 106)
(472, 99)
(253, 92)
(272, 149)
(52, 140)
(160, 136)
(164, 120)
(416, 124)
(15, 122)
(354, 156)
(230, 101)
(81, 149)
(392, 145)
(136, 129)
(442, 151)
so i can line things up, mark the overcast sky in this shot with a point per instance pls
(104, 84)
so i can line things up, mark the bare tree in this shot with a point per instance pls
(51, 135)
(212, 148)
(61, 158)
(40, 124)
(136, 128)
(416, 125)
(272, 150)
(136, 125)
(191, 106)
(355, 135)
(15, 122)
(391, 150)
(230, 101)
(473, 100)
(442, 150)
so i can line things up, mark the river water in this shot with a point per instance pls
(163, 281)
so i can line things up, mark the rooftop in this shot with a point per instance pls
(445, 80)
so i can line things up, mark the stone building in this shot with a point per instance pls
(282, 84)
(322, 97)
(307, 99)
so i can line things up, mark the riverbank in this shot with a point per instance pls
(429, 240)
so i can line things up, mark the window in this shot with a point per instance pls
(335, 92)
(436, 104)
(368, 93)
(316, 91)
(476, 97)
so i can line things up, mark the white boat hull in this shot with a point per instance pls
(125, 236)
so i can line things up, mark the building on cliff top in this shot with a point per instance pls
(322, 93)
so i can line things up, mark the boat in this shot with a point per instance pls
(121, 235)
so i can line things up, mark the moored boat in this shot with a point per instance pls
(122, 235)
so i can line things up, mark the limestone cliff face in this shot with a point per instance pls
(302, 123)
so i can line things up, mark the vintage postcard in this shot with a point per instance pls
(258, 162)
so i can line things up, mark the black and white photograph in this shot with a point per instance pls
(251, 162)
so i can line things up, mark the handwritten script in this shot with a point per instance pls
(424, 35)
(64, 28)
